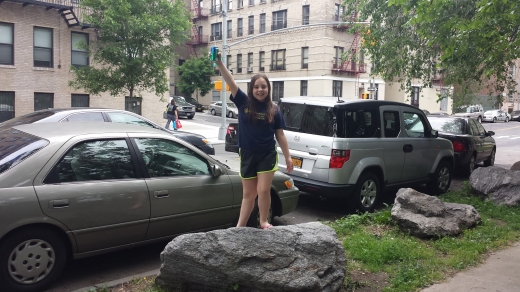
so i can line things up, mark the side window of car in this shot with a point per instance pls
(391, 123)
(413, 125)
(292, 114)
(96, 160)
(356, 123)
(123, 118)
(481, 130)
(85, 117)
(317, 120)
(165, 158)
(473, 129)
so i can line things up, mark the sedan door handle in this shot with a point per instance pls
(59, 203)
(161, 194)
(407, 148)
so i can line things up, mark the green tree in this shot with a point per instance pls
(195, 74)
(470, 42)
(134, 46)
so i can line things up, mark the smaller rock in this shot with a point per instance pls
(516, 166)
(500, 185)
(426, 216)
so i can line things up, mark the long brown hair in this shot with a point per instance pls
(253, 103)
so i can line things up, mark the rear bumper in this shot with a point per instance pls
(322, 189)
(461, 159)
(185, 114)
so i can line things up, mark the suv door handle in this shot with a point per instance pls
(407, 148)
(59, 203)
(161, 194)
(313, 151)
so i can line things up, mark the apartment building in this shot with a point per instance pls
(298, 44)
(38, 46)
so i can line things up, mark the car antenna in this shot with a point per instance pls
(340, 100)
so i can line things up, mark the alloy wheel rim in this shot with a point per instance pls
(444, 178)
(368, 193)
(31, 261)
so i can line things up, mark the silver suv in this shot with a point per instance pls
(356, 148)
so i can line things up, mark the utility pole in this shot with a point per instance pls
(223, 92)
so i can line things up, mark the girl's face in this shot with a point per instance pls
(260, 89)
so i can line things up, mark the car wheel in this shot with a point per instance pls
(254, 218)
(491, 159)
(368, 192)
(441, 180)
(471, 165)
(191, 117)
(231, 115)
(507, 120)
(494, 120)
(479, 119)
(31, 260)
(213, 112)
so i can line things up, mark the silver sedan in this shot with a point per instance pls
(495, 116)
(77, 191)
(231, 109)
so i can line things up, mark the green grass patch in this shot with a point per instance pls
(374, 244)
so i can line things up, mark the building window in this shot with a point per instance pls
(261, 61)
(6, 105)
(305, 14)
(512, 71)
(229, 29)
(240, 3)
(277, 91)
(230, 5)
(43, 47)
(79, 46)
(337, 88)
(251, 24)
(338, 12)
(262, 23)
(337, 57)
(251, 2)
(239, 63)
(278, 60)
(303, 88)
(305, 57)
(415, 96)
(6, 43)
(216, 6)
(43, 101)
(216, 31)
(240, 25)
(279, 20)
(228, 62)
(79, 100)
(250, 62)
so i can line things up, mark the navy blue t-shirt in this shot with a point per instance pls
(259, 136)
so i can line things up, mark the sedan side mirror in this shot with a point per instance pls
(216, 171)
(434, 134)
(490, 133)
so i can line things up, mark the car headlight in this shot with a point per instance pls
(289, 183)
(206, 141)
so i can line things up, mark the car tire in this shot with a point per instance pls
(368, 192)
(27, 250)
(479, 119)
(231, 115)
(507, 120)
(191, 117)
(470, 167)
(494, 120)
(440, 183)
(491, 159)
(213, 112)
(254, 218)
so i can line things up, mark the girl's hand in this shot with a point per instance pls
(288, 162)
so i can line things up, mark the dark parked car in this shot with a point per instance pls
(515, 116)
(69, 191)
(198, 106)
(105, 115)
(472, 144)
(232, 138)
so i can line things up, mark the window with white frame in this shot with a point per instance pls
(305, 14)
(338, 11)
(6, 43)
(239, 27)
(279, 20)
(305, 57)
(277, 91)
(337, 88)
(228, 61)
(261, 61)
(262, 23)
(278, 60)
(229, 29)
(303, 87)
(79, 45)
(337, 56)
(240, 3)
(43, 47)
(216, 31)
(239, 63)
(251, 24)
(251, 2)
(249, 62)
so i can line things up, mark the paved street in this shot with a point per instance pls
(99, 269)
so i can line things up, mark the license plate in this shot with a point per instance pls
(297, 162)
(188, 114)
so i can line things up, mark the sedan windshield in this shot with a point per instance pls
(448, 125)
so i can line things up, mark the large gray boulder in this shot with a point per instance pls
(500, 185)
(422, 215)
(303, 257)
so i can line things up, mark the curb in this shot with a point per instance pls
(113, 283)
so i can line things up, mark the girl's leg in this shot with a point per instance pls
(248, 200)
(263, 188)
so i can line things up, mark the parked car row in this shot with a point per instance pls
(72, 190)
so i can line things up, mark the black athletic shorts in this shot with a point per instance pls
(253, 162)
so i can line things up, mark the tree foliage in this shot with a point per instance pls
(468, 42)
(134, 46)
(195, 74)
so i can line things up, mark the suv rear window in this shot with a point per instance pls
(328, 121)
(16, 146)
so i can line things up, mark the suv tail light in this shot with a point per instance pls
(338, 158)
(458, 146)
(229, 129)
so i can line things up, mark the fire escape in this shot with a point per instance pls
(197, 38)
(69, 9)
